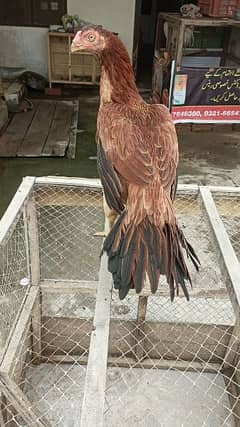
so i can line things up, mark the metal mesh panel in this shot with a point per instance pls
(166, 359)
(13, 268)
(229, 209)
(68, 219)
(169, 363)
(50, 365)
(56, 385)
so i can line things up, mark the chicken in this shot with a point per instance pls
(137, 160)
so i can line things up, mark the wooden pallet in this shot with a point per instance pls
(49, 129)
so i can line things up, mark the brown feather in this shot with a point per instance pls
(138, 150)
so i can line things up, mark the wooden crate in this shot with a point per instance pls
(71, 68)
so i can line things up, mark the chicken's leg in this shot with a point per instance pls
(110, 218)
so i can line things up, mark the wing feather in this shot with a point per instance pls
(139, 145)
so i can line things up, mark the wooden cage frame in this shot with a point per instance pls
(101, 332)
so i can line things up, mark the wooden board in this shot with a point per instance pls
(59, 133)
(11, 140)
(46, 130)
(35, 138)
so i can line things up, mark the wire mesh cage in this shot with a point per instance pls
(73, 354)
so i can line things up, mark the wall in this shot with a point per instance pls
(114, 15)
(24, 47)
(27, 47)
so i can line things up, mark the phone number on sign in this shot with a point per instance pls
(210, 113)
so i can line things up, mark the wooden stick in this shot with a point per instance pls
(15, 207)
(60, 180)
(180, 40)
(94, 391)
(20, 402)
(232, 354)
(131, 362)
(140, 333)
(233, 394)
(12, 351)
(33, 238)
(96, 183)
(226, 250)
(69, 286)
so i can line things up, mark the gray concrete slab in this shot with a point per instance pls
(134, 397)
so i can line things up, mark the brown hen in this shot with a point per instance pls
(137, 161)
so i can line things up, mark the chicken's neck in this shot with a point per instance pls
(117, 82)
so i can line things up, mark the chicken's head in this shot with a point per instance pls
(89, 39)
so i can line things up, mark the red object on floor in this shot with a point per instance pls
(219, 8)
(54, 91)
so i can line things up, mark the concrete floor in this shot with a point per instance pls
(209, 158)
(134, 397)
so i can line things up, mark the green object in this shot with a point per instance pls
(208, 38)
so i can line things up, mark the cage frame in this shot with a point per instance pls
(29, 315)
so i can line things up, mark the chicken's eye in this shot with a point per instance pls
(91, 37)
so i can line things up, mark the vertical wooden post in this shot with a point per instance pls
(140, 334)
(34, 256)
(69, 58)
(49, 61)
(180, 41)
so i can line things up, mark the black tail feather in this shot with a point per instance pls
(135, 251)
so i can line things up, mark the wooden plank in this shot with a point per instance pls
(37, 133)
(49, 62)
(131, 362)
(20, 402)
(226, 250)
(74, 82)
(58, 137)
(33, 239)
(180, 365)
(14, 345)
(227, 189)
(15, 207)
(232, 386)
(232, 355)
(180, 39)
(198, 22)
(69, 286)
(94, 391)
(65, 181)
(140, 331)
(71, 151)
(11, 140)
(96, 183)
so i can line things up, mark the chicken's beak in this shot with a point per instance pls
(74, 47)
